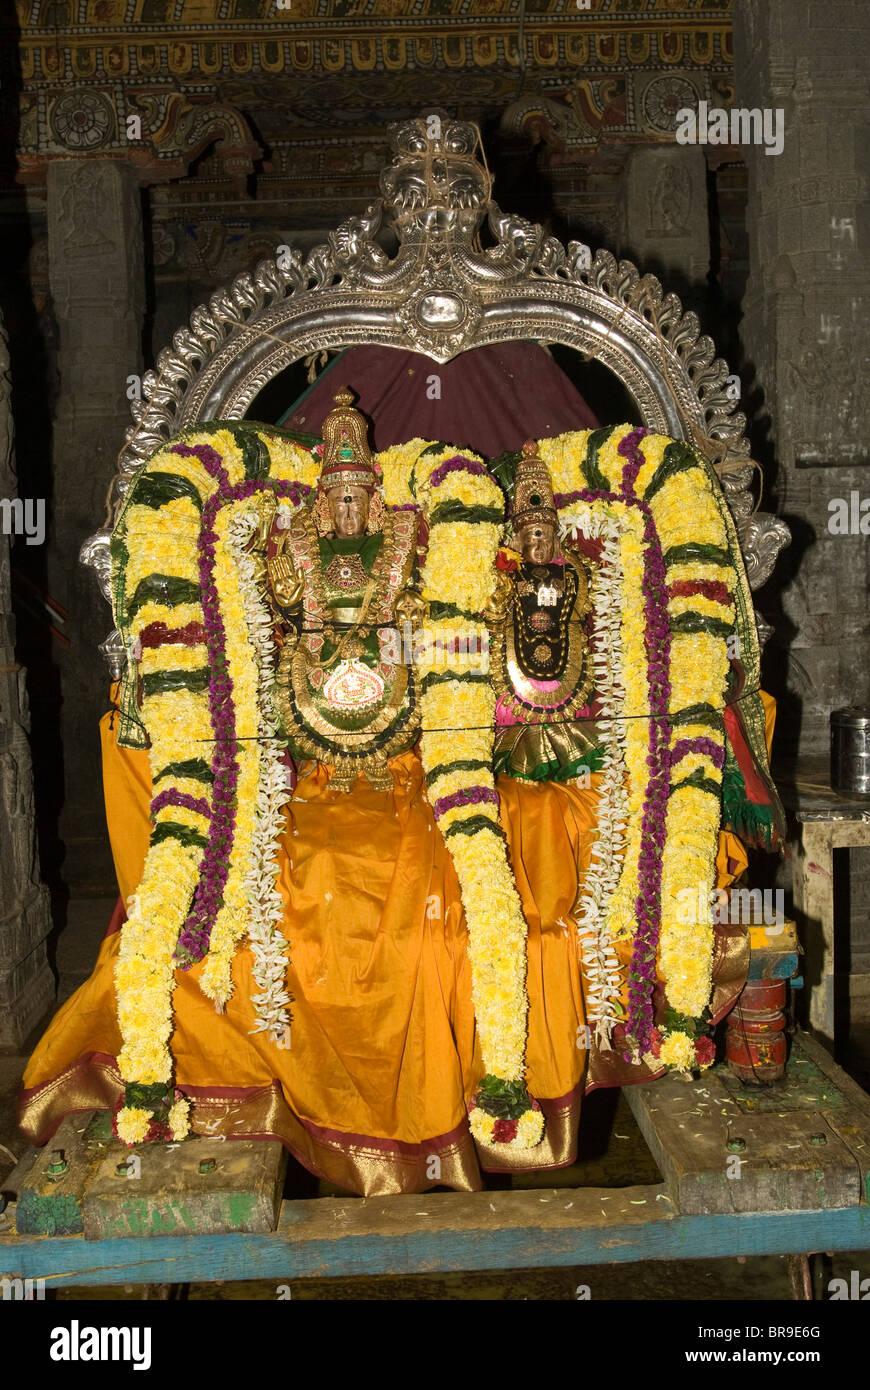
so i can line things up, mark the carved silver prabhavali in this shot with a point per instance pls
(443, 293)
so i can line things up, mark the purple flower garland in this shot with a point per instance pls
(195, 935)
(642, 969)
(712, 750)
(466, 796)
(174, 798)
(456, 464)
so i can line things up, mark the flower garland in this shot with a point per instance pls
(198, 633)
(265, 905)
(598, 948)
(675, 664)
(180, 605)
(465, 509)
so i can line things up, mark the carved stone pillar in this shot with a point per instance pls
(664, 216)
(97, 283)
(26, 982)
(805, 328)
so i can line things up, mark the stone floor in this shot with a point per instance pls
(601, 1163)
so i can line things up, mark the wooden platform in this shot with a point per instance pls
(804, 1161)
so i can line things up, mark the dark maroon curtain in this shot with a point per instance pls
(491, 399)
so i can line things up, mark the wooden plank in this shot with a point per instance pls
(714, 1156)
(199, 1187)
(852, 1127)
(50, 1203)
(441, 1232)
(804, 1086)
(813, 889)
(809, 1048)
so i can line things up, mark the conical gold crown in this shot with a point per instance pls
(533, 491)
(347, 459)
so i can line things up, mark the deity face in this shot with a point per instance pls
(537, 542)
(349, 510)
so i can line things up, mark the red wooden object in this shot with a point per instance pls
(755, 1041)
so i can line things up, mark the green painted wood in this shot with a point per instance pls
(852, 1126)
(198, 1187)
(48, 1204)
(329, 1237)
(110, 1190)
(812, 1051)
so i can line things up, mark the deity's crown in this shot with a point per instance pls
(533, 492)
(347, 459)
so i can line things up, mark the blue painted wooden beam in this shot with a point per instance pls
(439, 1232)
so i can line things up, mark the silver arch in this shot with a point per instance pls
(443, 293)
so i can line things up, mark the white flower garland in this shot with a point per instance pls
(600, 961)
(268, 943)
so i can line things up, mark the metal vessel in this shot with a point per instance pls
(850, 750)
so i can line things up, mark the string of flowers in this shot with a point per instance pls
(465, 508)
(186, 605)
(642, 972)
(675, 664)
(195, 933)
(601, 963)
(269, 945)
(159, 555)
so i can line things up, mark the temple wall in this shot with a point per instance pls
(26, 982)
(807, 344)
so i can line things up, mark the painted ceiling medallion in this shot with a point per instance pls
(82, 120)
(664, 97)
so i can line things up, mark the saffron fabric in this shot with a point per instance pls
(383, 1055)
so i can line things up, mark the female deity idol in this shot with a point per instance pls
(542, 664)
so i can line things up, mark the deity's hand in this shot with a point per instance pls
(500, 600)
(412, 608)
(286, 582)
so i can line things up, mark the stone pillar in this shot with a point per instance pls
(805, 331)
(26, 982)
(665, 226)
(96, 274)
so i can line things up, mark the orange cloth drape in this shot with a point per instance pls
(383, 1052)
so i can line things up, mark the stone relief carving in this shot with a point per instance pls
(442, 293)
(670, 202)
(83, 210)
